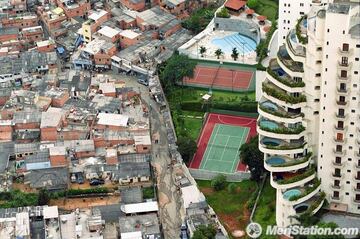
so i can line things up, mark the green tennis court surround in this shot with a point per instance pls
(222, 150)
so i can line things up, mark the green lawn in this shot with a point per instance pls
(230, 207)
(193, 127)
(268, 8)
(265, 211)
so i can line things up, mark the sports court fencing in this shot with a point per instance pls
(203, 174)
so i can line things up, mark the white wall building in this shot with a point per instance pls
(309, 121)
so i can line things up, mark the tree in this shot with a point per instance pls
(252, 4)
(218, 53)
(235, 54)
(187, 148)
(202, 51)
(176, 68)
(44, 197)
(219, 182)
(204, 232)
(223, 13)
(253, 158)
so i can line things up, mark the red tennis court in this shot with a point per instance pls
(220, 77)
(211, 121)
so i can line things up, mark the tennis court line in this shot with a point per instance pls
(223, 151)
(241, 142)
(206, 151)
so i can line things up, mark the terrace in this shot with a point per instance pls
(272, 126)
(284, 161)
(289, 63)
(297, 193)
(310, 206)
(295, 46)
(272, 143)
(273, 109)
(274, 91)
(280, 75)
(289, 178)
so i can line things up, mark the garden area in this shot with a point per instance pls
(268, 8)
(230, 202)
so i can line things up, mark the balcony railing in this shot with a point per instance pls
(339, 153)
(337, 164)
(281, 129)
(344, 65)
(284, 78)
(343, 78)
(282, 95)
(297, 178)
(343, 52)
(356, 189)
(357, 201)
(289, 63)
(336, 175)
(357, 178)
(279, 112)
(337, 187)
(341, 91)
(340, 116)
(307, 190)
(296, 48)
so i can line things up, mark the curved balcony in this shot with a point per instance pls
(344, 66)
(280, 78)
(291, 180)
(272, 111)
(341, 117)
(287, 63)
(356, 201)
(301, 30)
(338, 164)
(312, 205)
(273, 129)
(336, 187)
(337, 176)
(338, 129)
(343, 52)
(295, 49)
(336, 199)
(342, 91)
(357, 178)
(277, 146)
(284, 164)
(279, 96)
(357, 189)
(339, 153)
(301, 194)
(343, 79)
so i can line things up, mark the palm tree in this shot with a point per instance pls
(202, 51)
(218, 53)
(235, 54)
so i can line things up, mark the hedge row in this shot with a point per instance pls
(249, 106)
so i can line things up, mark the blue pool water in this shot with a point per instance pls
(269, 124)
(292, 192)
(242, 43)
(305, 23)
(280, 71)
(270, 105)
(271, 141)
(275, 161)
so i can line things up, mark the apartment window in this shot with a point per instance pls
(317, 100)
(342, 98)
(336, 194)
(338, 148)
(337, 172)
(344, 61)
(327, 43)
(341, 112)
(340, 125)
(354, 98)
(357, 45)
(343, 73)
(356, 58)
(340, 137)
(301, 4)
(354, 85)
(328, 30)
(345, 47)
(356, 72)
(346, 193)
(342, 86)
(319, 48)
(338, 161)
(317, 87)
(302, 13)
(318, 62)
(352, 111)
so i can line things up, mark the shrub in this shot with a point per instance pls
(232, 188)
(219, 182)
(223, 13)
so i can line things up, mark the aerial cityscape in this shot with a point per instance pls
(203, 119)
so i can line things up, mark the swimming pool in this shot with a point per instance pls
(271, 141)
(275, 161)
(269, 124)
(301, 207)
(242, 43)
(292, 192)
(269, 105)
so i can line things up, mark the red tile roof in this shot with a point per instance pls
(261, 18)
(235, 4)
(249, 11)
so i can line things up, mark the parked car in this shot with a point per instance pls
(95, 182)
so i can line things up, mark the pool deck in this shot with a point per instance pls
(249, 58)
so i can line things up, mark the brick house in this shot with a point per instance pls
(74, 8)
(51, 120)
